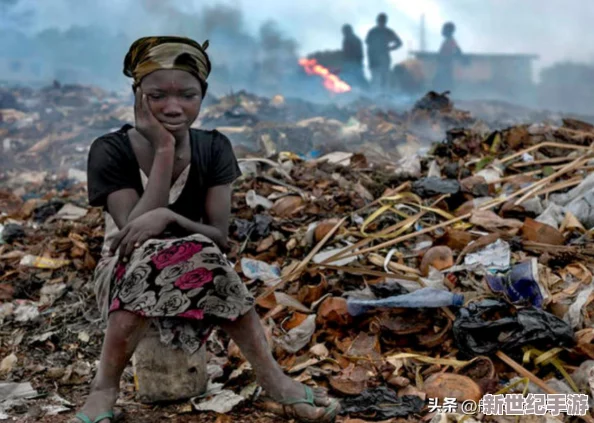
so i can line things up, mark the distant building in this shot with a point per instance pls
(492, 75)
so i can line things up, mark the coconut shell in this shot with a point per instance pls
(438, 257)
(450, 385)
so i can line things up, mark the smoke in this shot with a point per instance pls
(91, 51)
(255, 43)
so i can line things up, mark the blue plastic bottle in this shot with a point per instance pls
(422, 298)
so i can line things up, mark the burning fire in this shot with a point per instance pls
(331, 82)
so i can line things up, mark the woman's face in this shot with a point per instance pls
(174, 97)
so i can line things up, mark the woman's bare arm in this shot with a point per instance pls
(125, 205)
(157, 189)
(216, 221)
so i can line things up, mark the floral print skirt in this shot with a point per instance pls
(185, 284)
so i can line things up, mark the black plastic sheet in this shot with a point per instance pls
(45, 211)
(431, 186)
(387, 289)
(489, 326)
(12, 232)
(381, 404)
(255, 229)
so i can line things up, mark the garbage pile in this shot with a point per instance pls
(394, 283)
(51, 128)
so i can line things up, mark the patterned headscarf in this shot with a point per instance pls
(149, 54)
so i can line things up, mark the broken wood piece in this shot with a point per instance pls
(534, 379)
(367, 272)
(559, 186)
(525, 373)
(554, 160)
(368, 240)
(536, 186)
(395, 267)
(544, 144)
(283, 184)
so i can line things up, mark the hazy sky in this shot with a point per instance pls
(553, 29)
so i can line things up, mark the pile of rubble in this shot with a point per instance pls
(51, 128)
(390, 277)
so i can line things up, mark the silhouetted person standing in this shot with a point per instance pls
(380, 41)
(448, 54)
(352, 58)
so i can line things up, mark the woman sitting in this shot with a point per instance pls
(166, 192)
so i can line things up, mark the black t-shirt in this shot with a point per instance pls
(112, 166)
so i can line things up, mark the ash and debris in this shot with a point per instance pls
(467, 202)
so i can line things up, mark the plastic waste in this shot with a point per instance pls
(42, 262)
(409, 167)
(220, 402)
(422, 298)
(258, 270)
(584, 377)
(25, 312)
(298, 337)
(45, 211)
(13, 390)
(583, 209)
(520, 285)
(553, 215)
(575, 315)
(478, 329)
(434, 170)
(534, 206)
(324, 255)
(311, 155)
(579, 201)
(381, 404)
(337, 157)
(254, 200)
(431, 186)
(495, 256)
(491, 174)
(77, 175)
(10, 233)
(256, 229)
(248, 168)
(71, 212)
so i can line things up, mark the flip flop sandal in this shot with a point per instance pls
(286, 408)
(113, 417)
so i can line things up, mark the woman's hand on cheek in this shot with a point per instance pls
(140, 230)
(147, 124)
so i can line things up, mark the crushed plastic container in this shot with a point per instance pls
(521, 285)
(422, 298)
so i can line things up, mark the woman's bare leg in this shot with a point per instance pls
(247, 332)
(124, 331)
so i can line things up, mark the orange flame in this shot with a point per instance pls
(331, 82)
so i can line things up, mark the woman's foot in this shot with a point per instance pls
(98, 402)
(294, 400)
(288, 397)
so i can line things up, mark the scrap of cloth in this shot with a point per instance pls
(149, 54)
